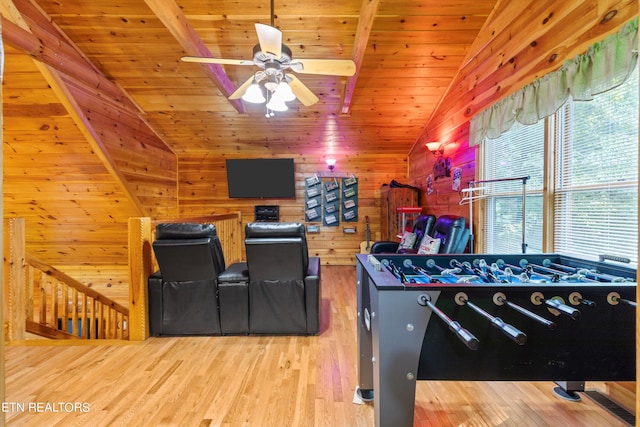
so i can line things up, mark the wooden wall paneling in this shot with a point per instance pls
(444, 199)
(203, 191)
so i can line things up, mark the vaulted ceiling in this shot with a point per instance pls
(407, 53)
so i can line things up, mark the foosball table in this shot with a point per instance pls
(480, 317)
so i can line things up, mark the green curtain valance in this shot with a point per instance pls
(604, 66)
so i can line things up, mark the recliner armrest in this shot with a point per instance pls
(237, 272)
(154, 291)
(314, 267)
(313, 295)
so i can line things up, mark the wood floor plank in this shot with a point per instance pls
(257, 381)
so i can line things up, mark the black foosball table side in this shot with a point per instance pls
(403, 336)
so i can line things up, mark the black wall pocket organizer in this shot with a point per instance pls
(331, 199)
(313, 199)
(350, 199)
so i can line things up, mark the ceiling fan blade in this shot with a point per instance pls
(205, 60)
(301, 92)
(329, 67)
(270, 39)
(242, 89)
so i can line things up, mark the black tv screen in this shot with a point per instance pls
(261, 178)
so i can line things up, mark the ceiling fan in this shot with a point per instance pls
(275, 59)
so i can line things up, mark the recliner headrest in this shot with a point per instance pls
(185, 230)
(447, 222)
(274, 229)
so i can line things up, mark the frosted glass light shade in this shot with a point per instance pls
(276, 104)
(284, 92)
(254, 94)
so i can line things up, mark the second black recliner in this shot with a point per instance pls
(284, 286)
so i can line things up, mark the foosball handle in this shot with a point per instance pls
(562, 308)
(464, 335)
(509, 330)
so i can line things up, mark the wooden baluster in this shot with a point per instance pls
(74, 313)
(92, 318)
(125, 326)
(84, 318)
(100, 321)
(30, 290)
(118, 325)
(64, 289)
(110, 333)
(114, 324)
(54, 303)
(43, 299)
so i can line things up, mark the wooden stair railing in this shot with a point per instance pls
(45, 301)
(66, 305)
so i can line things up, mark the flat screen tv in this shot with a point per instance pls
(261, 178)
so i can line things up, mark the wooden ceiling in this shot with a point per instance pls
(407, 53)
(99, 109)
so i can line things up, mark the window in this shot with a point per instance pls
(594, 191)
(517, 153)
(596, 198)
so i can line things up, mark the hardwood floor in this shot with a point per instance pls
(253, 381)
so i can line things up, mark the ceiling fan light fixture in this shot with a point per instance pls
(254, 94)
(284, 92)
(276, 104)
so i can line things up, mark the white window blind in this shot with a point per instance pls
(518, 152)
(596, 199)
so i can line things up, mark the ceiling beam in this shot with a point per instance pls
(174, 20)
(64, 60)
(62, 64)
(365, 23)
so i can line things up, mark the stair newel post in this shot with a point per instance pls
(15, 295)
(140, 267)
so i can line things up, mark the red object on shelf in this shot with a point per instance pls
(409, 209)
(412, 213)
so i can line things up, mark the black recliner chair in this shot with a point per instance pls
(184, 293)
(284, 287)
(421, 226)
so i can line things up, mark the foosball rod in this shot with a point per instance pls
(463, 335)
(510, 331)
(494, 269)
(501, 264)
(396, 271)
(499, 299)
(425, 273)
(525, 267)
(583, 271)
(444, 271)
(614, 298)
(486, 276)
(524, 263)
(556, 304)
